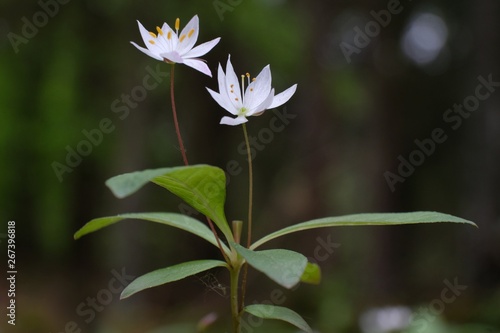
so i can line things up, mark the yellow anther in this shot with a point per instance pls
(182, 38)
(169, 35)
(190, 33)
(177, 23)
(152, 34)
(248, 75)
(251, 89)
(232, 86)
(253, 79)
(160, 32)
(152, 42)
(236, 99)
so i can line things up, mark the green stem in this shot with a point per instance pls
(250, 186)
(235, 310)
(176, 122)
(250, 204)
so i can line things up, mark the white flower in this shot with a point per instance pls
(167, 45)
(258, 96)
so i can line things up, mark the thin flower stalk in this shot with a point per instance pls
(250, 208)
(174, 113)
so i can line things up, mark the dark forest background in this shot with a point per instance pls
(356, 115)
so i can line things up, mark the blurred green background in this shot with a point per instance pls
(363, 99)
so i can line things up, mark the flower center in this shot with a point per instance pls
(242, 111)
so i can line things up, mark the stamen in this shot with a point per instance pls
(243, 87)
(190, 33)
(152, 34)
(169, 35)
(152, 42)
(160, 32)
(177, 24)
(182, 38)
(236, 99)
(253, 80)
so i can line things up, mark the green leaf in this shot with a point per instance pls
(128, 183)
(365, 219)
(285, 267)
(169, 274)
(183, 222)
(280, 313)
(312, 274)
(201, 186)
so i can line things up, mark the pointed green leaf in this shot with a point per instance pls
(285, 267)
(128, 183)
(169, 274)
(174, 220)
(280, 313)
(312, 274)
(201, 186)
(365, 219)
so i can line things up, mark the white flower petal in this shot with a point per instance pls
(150, 42)
(221, 78)
(168, 44)
(146, 37)
(199, 65)
(233, 121)
(173, 57)
(148, 52)
(202, 49)
(225, 92)
(188, 36)
(258, 90)
(166, 28)
(262, 106)
(283, 97)
(233, 85)
(223, 102)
